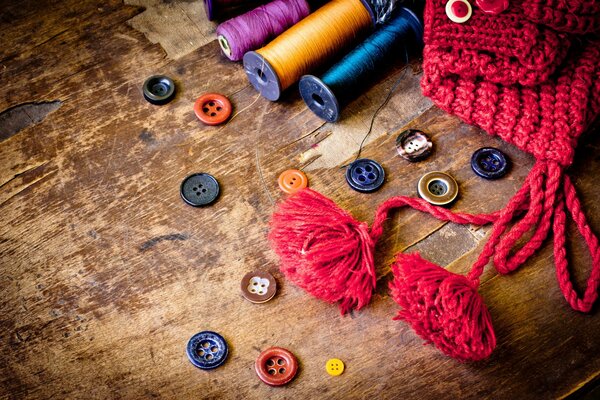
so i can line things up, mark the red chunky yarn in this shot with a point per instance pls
(573, 16)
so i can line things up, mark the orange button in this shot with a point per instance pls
(212, 108)
(292, 180)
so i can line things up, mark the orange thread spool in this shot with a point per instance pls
(311, 43)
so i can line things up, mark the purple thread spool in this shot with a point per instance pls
(217, 9)
(255, 28)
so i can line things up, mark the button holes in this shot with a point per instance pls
(280, 362)
(212, 114)
(252, 291)
(209, 357)
(254, 283)
(219, 108)
(262, 285)
(272, 371)
(206, 345)
(371, 176)
(201, 353)
(438, 187)
(211, 103)
(281, 370)
(203, 190)
(359, 170)
(368, 168)
(362, 178)
(214, 349)
(206, 110)
(270, 362)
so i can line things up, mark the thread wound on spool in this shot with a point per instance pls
(342, 83)
(217, 9)
(307, 45)
(251, 30)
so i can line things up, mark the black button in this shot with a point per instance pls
(199, 189)
(159, 89)
(413, 145)
(489, 163)
(207, 350)
(365, 175)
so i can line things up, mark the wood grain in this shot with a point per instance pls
(105, 273)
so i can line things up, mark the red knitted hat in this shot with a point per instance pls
(573, 16)
(330, 255)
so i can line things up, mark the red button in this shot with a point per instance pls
(459, 11)
(492, 6)
(276, 366)
(213, 108)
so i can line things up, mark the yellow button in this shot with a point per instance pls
(334, 367)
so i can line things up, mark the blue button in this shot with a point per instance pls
(365, 175)
(207, 350)
(489, 163)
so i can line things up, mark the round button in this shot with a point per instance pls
(213, 108)
(489, 163)
(159, 89)
(492, 6)
(459, 11)
(207, 350)
(414, 145)
(365, 175)
(258, 286)
(276, 366)
(438, 188)
(199, 189)
(292, 180)
(334, 367)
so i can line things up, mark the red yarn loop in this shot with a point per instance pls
(443, 308)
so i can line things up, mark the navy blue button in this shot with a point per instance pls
(365, 175)
(207, 350)
(199, 189)
(159, 89)
(489, 163)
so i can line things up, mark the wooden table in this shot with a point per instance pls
(105, 273)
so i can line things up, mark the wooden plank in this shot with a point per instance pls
(106, 273)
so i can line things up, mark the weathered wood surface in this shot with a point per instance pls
(105, 273)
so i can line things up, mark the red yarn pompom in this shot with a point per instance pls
(443, 308)
(324, 250)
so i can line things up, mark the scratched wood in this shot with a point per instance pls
(105, 273)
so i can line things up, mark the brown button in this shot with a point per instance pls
(414, 145)
(276, 366)
(438, 188)
(258, 286)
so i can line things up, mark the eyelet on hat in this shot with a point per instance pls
(365, 175)
(276, 366)
(213, 108)
(438, 188)
(489, 163)
(492, 6)
(459, 11)
(159, 89)
(207, 350)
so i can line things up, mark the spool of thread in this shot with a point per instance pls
(343, 82)
(307, 45)
(220, 9)
(253, 29)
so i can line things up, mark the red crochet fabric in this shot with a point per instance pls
(505, 48)
(573, 16)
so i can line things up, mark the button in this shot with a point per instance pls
(414, 145)
(438, 188)
(492, 6)
(276, 366)
(365, 175)
(292, 180)
(489, 163)
(258, 286)
(199, 189)
(159, 89)
(459, 11)
(334, 367)
(207, 350)
(213, 108)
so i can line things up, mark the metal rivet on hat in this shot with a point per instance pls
(207, 350)
(489, 163)
(438, 188)
(159, 89)
(199, 189)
